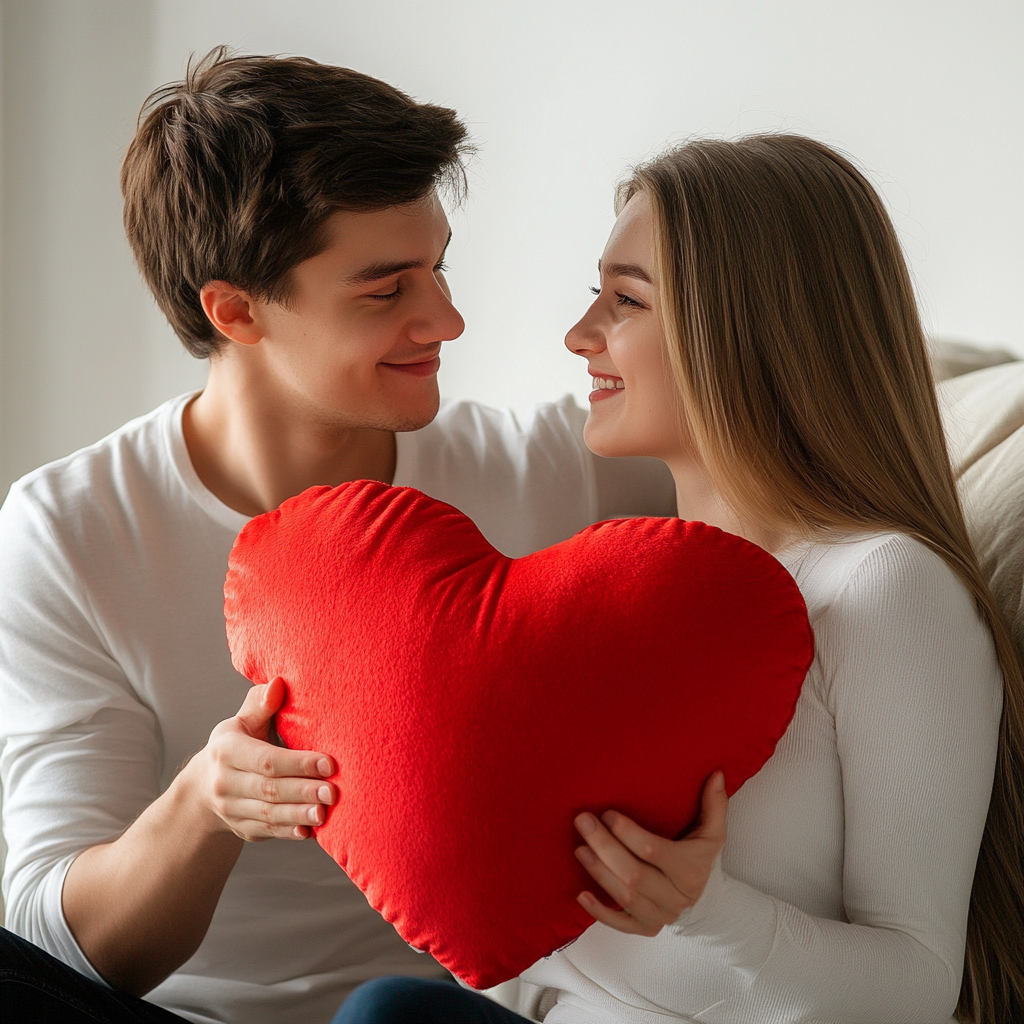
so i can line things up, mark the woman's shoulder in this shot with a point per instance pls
(873, 570)
(885, 606)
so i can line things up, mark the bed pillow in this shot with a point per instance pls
(476, 703)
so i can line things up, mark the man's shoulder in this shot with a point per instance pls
(525, 479)
(465, 424)
(101, 475)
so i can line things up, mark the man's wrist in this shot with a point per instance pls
(189, 795)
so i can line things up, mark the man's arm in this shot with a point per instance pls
(140, 906)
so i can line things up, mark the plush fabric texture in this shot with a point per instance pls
(983, 413)
(475, 703)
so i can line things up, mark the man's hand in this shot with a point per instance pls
(256, 789)
(140, 906)
(653, 879)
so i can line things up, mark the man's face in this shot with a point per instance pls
(357, 342)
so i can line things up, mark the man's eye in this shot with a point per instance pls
(389, 295)
(441, 266)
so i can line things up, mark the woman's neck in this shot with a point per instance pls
(697, 498)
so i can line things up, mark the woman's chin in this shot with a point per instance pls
(602, 440)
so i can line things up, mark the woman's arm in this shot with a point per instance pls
(914, 688)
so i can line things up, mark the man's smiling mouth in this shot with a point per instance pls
(422, 368)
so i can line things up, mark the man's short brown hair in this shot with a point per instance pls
(233, 172)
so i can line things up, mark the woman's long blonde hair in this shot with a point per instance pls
(796, 345)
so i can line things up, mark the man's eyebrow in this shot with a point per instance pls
(625, 270)
(378, 271)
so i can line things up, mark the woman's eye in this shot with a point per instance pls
(441, 266)
(620, 299)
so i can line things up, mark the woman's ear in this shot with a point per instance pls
(230, 310)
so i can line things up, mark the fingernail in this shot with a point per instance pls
(314, 814)
(585, 854)
(718, 783)
(586, 823)
(324, 794)
(323, 766)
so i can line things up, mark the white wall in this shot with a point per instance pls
(927, 94)
(77, 357)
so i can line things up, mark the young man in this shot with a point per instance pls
(286, 217)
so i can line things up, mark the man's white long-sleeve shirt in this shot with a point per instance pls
(114, 668)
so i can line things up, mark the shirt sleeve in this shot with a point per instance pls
(910, 675)
(80, 752)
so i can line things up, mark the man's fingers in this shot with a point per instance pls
(259, 813)
(264, 759)
(287, 790)
(259, 707)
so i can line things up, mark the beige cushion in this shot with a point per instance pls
(983, 414)
(951, 358)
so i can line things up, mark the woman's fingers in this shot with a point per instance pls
(653, 879)
(714, 805)
(651, 848)
(634, 884)
(647, 915)
(617, 919)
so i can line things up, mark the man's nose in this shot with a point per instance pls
(443, 322)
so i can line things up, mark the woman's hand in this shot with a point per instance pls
(653, 879)
(254, 788)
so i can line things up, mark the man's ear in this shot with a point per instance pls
(230, 310)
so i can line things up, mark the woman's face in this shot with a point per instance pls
(634, 407)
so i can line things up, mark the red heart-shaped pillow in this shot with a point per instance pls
(476, 703)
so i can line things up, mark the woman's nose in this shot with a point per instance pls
(585, 337)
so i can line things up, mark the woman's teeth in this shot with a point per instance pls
(606, 384)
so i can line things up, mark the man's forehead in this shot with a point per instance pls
(369, 245)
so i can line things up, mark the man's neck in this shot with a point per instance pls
(252, 451)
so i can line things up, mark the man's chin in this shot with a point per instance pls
(403, 420)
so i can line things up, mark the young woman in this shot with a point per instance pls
(756, 329)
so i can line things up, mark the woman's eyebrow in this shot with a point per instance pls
(381, 269)
(625, 270)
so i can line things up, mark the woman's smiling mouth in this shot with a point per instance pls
(602, 387)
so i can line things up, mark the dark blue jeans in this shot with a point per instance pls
(415, 1001)
(36, 988)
